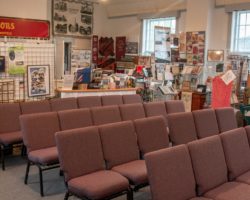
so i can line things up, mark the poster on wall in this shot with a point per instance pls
(120, 48)
(16, 60)
(72, 18)
(80, 58)
(38, 80)
(162, 44)
(132, 48)
(195, 44)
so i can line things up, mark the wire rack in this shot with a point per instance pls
(35, 53)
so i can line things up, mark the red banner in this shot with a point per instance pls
(26, 28)
(94, 49)
(120, 48)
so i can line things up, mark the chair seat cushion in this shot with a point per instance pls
(230, 191)
(98, 185)
(135, 171)
(200, 198)
(11, 138)
(244, 178)
(46, 156)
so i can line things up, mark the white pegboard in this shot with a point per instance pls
(35, 53)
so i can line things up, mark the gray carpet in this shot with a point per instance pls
(12, 186)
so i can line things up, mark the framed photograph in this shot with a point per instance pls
(38, 80)
(215, 55)
(72, 18)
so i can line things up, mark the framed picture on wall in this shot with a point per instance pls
(72, 18)
(215, 55)
(38, 80)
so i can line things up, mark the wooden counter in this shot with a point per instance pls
(95, 92)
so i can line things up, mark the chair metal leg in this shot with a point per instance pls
(41, 180)
(130, 194)
(2, 157)
(61, 173)
(27, 172)
(66, 197)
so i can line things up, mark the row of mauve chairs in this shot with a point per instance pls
(9, 114)
(213, 168)
(86, 150)
(189, 126)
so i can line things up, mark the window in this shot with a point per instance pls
(148, 32)
(240, 40)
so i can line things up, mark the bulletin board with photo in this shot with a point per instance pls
(72, 18)
(195, 46)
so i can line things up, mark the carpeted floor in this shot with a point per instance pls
(12, 186)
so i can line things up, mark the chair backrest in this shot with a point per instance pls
(9, 117)
(39, 130)
(106, 114)
(112, 100)
(181, 128)
(131, 98)
(209, 163)
(119, 143)
(170, 173)
(76, 118)
(63, 104)
(237, 152)
(132, 111)
(226, 119)
(205, 123)
(88, 102)
(151, 133)
(156, 109)
(80, 151)
(35, 107)
(174, 106)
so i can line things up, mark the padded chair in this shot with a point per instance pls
(9, 128)
(151, 134)
(76, 118)
(38, 132)
(59, 104)
(174, 106)
(88, 102)
(35, 107)
(132, 111)
(181, 128)
(205, 123)
(121, 152)
(210, 171)
(156, 109)
(81, 159)
(237, 154)
(112, 100)
(226, 119)
(131, 98)
(106, 114)
(171, 174)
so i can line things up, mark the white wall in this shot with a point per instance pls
(32, 9)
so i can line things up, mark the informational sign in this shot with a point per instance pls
(16, 60)
(162, 44)
(80, 58)
(26, 28)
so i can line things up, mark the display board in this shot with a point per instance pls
(72, 18)
(80, 58)
(195, 44)
(34, 54)
(162, 44)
